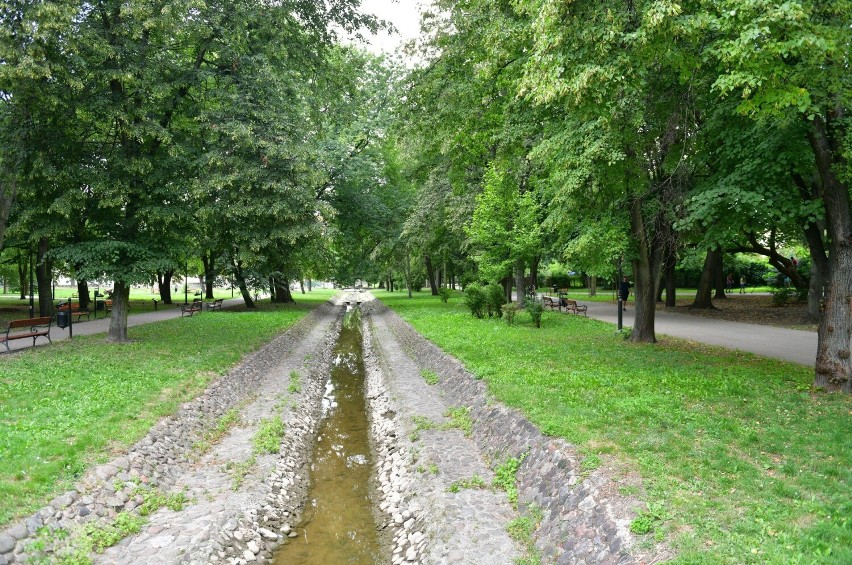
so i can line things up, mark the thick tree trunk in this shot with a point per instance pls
(164, 283)
(282, 292)
(120, 307)
(519, 282)
(240, 279)
(703, 297)
(719, 277)
(44, 278)
(8, 188)
(593, 286)
(506, 283)
(209, 274)
(646, 267)
(833, 364)
(83, 293)
(819, 271)
(671, 290)
(534, 270)
(430, 274)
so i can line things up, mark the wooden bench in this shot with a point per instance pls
(552, 303)
(215, 305)
(32, 327)
(190, 308)
(572, 306)
(75, 310)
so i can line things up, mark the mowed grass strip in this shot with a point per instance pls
(741, 461)
(67, 406)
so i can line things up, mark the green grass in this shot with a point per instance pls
(67, 406)
(268, 436)
(741, 461)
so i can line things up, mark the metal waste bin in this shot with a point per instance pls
(63, 318)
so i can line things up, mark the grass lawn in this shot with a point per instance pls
(67, 406)
(741, 461)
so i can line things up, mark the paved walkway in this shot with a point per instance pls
(101, 325)
(781, 343)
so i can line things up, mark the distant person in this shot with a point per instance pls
(795, 262)
(742, 285)
(624, 292)
(729, 283)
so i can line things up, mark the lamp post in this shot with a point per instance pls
(620, 298)
(32, 298)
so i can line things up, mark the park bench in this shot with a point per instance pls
(20, 329)
(75, 310)
(548, 302)
(215, 304)
(190, 309)
(572, 306)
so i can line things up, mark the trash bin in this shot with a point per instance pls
(63, 318)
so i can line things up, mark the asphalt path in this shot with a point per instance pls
(101, 325)
(797, 346)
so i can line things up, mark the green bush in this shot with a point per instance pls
(782, 295)
(509, 310)
(444, 293)
(495, 298)
(535, 308)
(474, 299)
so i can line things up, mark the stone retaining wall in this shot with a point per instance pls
(585, 519)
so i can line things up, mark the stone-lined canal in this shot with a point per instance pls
(338, 522)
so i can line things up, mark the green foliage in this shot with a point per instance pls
(474, 482)
(506, 477)
(223, 424)
(475, 299)
(535, 309)
(459, 418)
(729, 445)
(782, 295)
(495, 298)
(238, 470)
(445, 294)
(431, 377)
(522, 529)
(267, 439)
(649, 519)
(509, 310)
(295, 386)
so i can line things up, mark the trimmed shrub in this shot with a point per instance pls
(474, 299)
(494, 299)
(509, 310)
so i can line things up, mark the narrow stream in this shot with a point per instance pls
(338, 523)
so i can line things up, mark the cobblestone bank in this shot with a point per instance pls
(421, 456)
(163, 460)
(585, 518)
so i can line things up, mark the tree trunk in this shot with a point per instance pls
(719, 277)
(8, 188)
(164, 283)
(534, 270)
(302, 285)
(506, 283)
(819, 271)
(281, 289)
(240, 279)
(44, 278)
(833, 370)
(671, 289)
(118, 320)
(646, 267)
(83, 293)
(22, 277)
(430, 274)
(593, 285)
(519, 282)
(209, 273)
(310, 285)
(703, 298)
